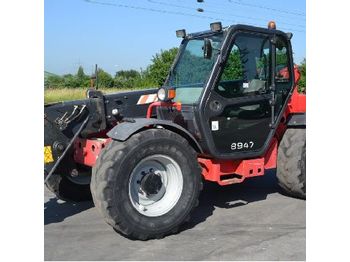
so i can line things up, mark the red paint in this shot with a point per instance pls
(284, 72)
(216, 170)
(164, 104)
(86, 151)
(297, 103)
(297, 74)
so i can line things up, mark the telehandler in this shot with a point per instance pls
(228, 110)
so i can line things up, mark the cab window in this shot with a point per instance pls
(246, 71)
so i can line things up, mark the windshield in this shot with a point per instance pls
(192, 70)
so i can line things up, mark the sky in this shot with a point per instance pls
(126, 34)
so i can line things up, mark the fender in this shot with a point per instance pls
(124, 130)
(296, 120)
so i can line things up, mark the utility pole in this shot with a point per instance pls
(94, 79)
(96, 76)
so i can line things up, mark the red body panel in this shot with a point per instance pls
(221, 171)
(297, 103)
(86, 151)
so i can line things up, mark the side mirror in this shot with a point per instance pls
(207, 48)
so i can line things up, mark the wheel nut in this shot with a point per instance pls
(115, 111)
(59, 146)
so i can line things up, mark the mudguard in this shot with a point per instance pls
(297, 120)
(124, 130)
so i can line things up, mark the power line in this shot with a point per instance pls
(150, 9)
(266, 7)
(228, 5)
(215, 12)
(172, 12)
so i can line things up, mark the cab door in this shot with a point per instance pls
(241, 110)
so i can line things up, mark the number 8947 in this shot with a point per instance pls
(242, 145)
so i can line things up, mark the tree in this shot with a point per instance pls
(126, 78)
(54, 81)
(127, 74)
(234, 68)
(281, 57)
(161, 63)
(104, 79)
(70, 81)
(82, 80)
(80, 73)
(302, 81)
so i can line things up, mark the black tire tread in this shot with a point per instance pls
(291, 173)
(102, 194)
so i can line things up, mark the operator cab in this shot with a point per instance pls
(231, 83)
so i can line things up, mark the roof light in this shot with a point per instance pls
(217, 27)
(181, 33)
(271, 25)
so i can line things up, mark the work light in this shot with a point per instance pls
(165, 94)
(181, 33)
(216, 27)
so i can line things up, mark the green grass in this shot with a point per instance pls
(66, 94)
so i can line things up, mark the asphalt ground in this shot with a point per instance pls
(248, 221)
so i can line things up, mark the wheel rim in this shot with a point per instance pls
(155, 185)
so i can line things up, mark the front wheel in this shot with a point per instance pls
(147, 186)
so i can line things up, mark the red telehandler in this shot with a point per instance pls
(228, 110)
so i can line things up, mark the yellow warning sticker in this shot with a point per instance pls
(48, 158)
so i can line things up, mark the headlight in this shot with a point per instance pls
(161, 94)
(166, 94)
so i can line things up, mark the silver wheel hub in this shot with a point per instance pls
(155, 185)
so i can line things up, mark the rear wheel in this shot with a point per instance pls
(147, 186)
(71, 188)
(291, 163)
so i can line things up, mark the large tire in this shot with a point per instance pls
(67, 189)
(157, 208)
(291, 163)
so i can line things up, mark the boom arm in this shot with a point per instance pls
(91, 117)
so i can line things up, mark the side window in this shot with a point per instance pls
(282, 70)
(246, 71)
(263, 63)
(282, 74)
